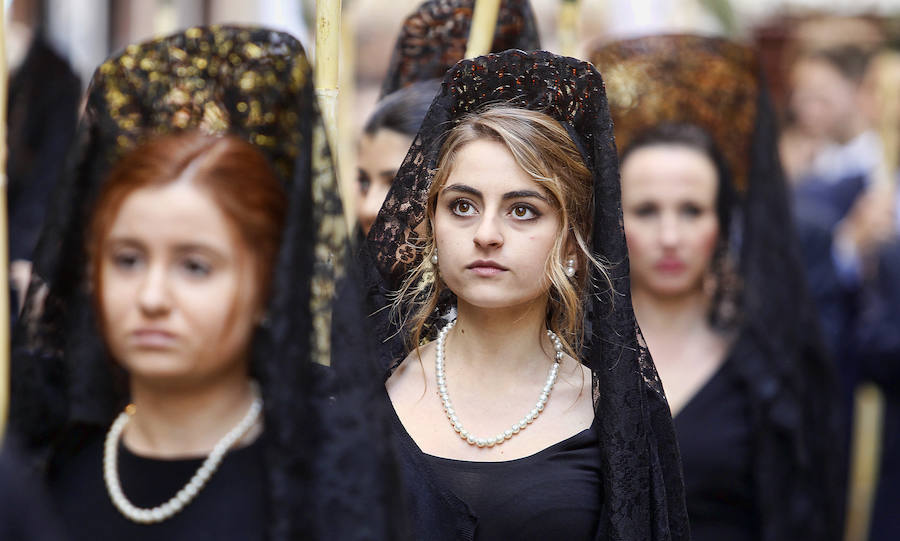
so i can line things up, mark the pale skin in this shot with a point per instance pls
(494, 227)
(179, 304)
(380, 155)
(669, 206)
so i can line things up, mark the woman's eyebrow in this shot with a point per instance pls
(518, 194)
(462, 188)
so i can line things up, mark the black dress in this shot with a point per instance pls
(552, 494)
(715, 437)
(231, 506)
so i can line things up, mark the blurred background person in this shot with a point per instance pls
(860, 211)
(829, 104)
(173, 366)
(431, 40)
(385, 140)
(43, 101)
(719, 291)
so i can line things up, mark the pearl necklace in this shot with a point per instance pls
(516, 427)
(189, 491)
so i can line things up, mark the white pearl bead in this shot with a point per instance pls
(440, 378)
(189, 491)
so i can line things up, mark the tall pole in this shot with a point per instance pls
(568, 27)
(4, 228)
(484, 22)
(328, 47)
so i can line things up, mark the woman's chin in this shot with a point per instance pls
(159, 368)
(496, 299)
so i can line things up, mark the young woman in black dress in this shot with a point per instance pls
(167, 371)
(526, 406)
(719, 292)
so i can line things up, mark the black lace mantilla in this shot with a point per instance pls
(778, 353)
(433, 38)
(643, 490)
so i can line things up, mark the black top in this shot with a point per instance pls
(552, 494)
(25, 513)
(230, 507)
(714, 433)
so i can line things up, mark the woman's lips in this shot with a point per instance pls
(670, 266)
(152, 339)
(486, 268)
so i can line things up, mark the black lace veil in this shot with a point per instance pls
(327, 473)
(434, 37)
(717, 85)
(643, 490)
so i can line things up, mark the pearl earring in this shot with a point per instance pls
(570, 268)
(434, 259)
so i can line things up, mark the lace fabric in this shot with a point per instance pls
(433, 38)
(641, 475)
(778, 353)
(326, 478)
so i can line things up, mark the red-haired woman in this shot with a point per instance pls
(165, 373)
(181, 245)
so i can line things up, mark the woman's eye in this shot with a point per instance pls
(645, 211)
(126, 260)
(196, 268)
(691, 210)
(461, 207)
(524, 212)
(364, 182)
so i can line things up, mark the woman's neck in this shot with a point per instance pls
(185, 421)
(501, 342)
(666, 317)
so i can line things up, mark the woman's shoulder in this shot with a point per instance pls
(410, 374)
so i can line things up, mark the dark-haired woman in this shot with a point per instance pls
(386, 137)
(718, 290)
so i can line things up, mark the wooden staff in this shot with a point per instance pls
(484, 22)
(4, 249)
(568, 27)
(346, 119)
(328, 47)
(887, 81)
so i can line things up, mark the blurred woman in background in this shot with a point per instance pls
(719, 291)
(167, 367)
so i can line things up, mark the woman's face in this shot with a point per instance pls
(380, 155)
(671, 225)
(494, 227)
(178, 289)
(824, 101)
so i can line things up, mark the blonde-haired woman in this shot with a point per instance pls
(514, 420)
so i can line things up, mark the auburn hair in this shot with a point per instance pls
(235, 174)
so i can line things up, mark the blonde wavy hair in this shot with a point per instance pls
(543, 149)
